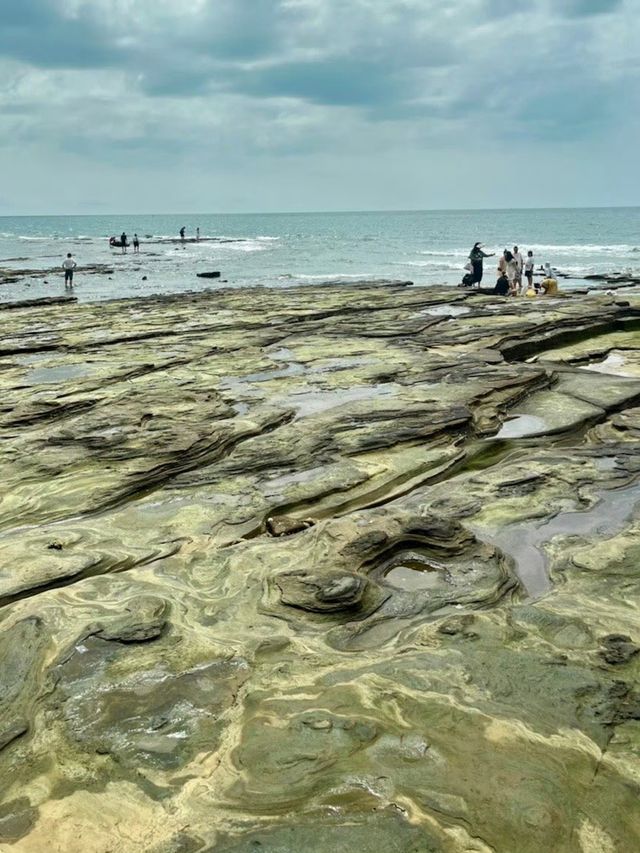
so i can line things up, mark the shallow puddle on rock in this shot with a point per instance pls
(522, 426)
(446, 310)
(413, 575)
(524, 542)
(615, 364)
(293, 369)
(45, 375)
(312, 402)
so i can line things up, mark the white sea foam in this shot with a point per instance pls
(333, 276)
(621, 249)
(247, 246)
(432, 265)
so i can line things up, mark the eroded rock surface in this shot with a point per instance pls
(323, 569)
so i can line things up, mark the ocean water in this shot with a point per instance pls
(275, 250)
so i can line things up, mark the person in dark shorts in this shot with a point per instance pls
(182, 230)
(476, 256)
(123, 243)
(528, 267)
(136, 244)
(68, 265)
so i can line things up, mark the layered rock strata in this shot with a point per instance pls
(320, 569)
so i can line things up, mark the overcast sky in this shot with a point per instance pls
(275, 105)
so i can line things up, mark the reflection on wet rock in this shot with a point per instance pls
(327, 570)
(149, 716)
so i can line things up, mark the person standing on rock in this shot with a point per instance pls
(136, 244)
(68, 265)
(520, 262)
(512, 272)
(476, 257)
(123, 243)
(528, 268)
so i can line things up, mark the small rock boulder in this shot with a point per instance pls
(285, 525)
(617, 649)
(329, 592)
(144, 618)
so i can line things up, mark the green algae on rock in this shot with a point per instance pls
(331, 568)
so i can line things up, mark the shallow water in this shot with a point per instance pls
(277, 250)
(615, 364)
(522, 426)
(446, 310)
(46, 375)
(524, 542)
(316, 401)
(412, 575)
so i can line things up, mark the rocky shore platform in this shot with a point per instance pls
(321, 570)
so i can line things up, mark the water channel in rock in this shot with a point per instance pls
(524, 542)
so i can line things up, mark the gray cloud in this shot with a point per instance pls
(38, 31)
(587, 8)
(224, 81)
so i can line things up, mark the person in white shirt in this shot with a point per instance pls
(519, 264)
(528, 268)
(512, 272)
(68, 265)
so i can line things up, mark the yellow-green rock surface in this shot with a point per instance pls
(341, 569)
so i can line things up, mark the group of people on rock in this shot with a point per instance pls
(123, 242)
(183, 234)
(511, 268)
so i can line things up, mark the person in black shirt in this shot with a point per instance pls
(502, 286)
(476, 256)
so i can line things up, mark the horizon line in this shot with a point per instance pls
(339, 211)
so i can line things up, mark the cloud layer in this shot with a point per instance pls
(267, 87)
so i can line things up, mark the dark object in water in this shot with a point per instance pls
(208, 275)
(116, 244)
(144, 278)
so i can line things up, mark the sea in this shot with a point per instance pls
(283, 249)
